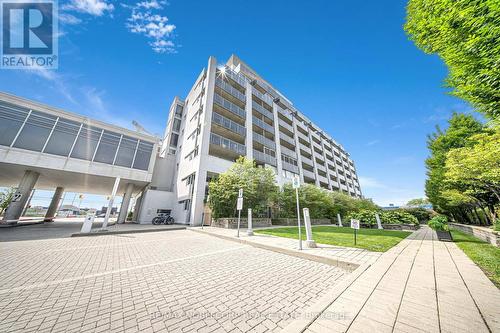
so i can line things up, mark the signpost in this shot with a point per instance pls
(239, 207)
(296, 185)
(355, 226)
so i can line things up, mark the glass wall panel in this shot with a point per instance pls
(107, 147)
(36, 131)
(143, 155)
(63, 137)
(126, 152)
(86, 142)
(11, 119)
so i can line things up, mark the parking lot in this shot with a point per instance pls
(175, 281)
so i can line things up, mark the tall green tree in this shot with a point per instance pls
(258, 186)
(460, 128)
(466, 35)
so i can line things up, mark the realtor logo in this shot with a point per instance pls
(29, 34)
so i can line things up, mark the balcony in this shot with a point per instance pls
(262, 124)
(227, 144)
(240, 79)
(227, 105)
(287, 139)
(307, 161)
(305, 148)
(322, 179)
(263, 97)
(262, 110)
(308, 174)
(286, 125)
(264, 158)
(302, 136)
(230, 90)
(264, 141)
(321, 167)
(228, 124)
(290, 167)
(288, 152)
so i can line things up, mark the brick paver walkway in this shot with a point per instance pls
(420, 285)
(337, 255)
(174, 281)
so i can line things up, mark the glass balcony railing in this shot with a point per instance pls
(262, 124)
(263, 140)
(286, 125)
(229, 124)
(262, 157)
(290, 167)
(230, 89)
(288, 152)
(227, 144)
(240, 79)
(262, 110)
(229, 106)
(286, 138)
(308, 174)
(264, 97)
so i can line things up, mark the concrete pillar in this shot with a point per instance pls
(54, 204)
(110, 203)
(21, 197)
(122, 216)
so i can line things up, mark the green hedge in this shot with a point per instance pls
(387, 217)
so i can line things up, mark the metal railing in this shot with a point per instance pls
(221, 101)
(227, 144)
(228, 123)
(262, 124)
(262, 157)
(264, 97)
(230, 89)
(263, 140)
(262, 110)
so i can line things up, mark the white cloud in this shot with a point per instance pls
(69, 19)
(373, 142)
(91, 7)
(153, 26)
(367, 182)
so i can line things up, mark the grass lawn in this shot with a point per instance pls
(481, 253)
(369, 239)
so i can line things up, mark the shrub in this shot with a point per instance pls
(398, 217)
(364, 216)
(423, 215)
(496, 225)
(439, 223)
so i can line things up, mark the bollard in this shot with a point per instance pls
(379, 224)
(339, 219)
(307, 222)
(87, 224)
(250, 230)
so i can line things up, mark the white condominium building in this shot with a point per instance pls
(230, 112)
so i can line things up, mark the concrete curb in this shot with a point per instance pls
(348, 266)
(136, 231)
(13, 225)
(309, 315)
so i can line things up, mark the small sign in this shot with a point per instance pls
(16, 197)
(240, 193)
(354, 224)
(239, 204)
(296, 181)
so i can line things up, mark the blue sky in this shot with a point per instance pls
(348, 65)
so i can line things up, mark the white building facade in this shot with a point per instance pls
(230, 112)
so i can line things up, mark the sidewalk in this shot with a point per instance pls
(420, 285)
(344, 257)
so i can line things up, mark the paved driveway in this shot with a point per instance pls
(174, 281)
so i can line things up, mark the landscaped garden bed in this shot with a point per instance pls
(369, 239)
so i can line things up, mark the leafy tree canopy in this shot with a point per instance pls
(466, 35)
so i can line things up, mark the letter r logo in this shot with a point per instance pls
(27, 27)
